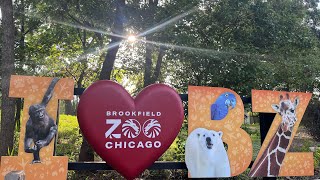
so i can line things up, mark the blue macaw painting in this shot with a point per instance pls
(221, 107)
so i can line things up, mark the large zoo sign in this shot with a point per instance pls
(131, 133)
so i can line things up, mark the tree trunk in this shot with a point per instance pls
(157, 70)
(86, 151)
(113, 46)
(148, 65)
(148, 77)
(18, 113)
(68, 108)
(7, 67)
(22, 46)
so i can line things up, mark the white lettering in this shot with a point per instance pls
(118, 145)
(157, 144)
(109, 145)
(133, 113)
(115, 123)
(148, 144)
(131, 144)
(140, 145)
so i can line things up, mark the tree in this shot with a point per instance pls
(116, 37)
(152, 21)
(7, 69)
(244, 45)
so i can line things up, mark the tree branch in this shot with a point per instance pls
(157, 70)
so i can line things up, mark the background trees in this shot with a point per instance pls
(238, 44)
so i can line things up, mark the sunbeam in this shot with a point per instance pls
(168, 22)
(85, 28)
(139, 37)
(110, 46)
(132, 38)
(96, 52)
(200, 50)
(50, 20)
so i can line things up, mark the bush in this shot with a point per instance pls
(69, 138)
(177, 149)
(254, 114)
(311, 119)
(317, 159)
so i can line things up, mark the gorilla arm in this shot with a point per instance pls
(28, 138)
(52, 132)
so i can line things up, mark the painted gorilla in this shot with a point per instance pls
(40, 127)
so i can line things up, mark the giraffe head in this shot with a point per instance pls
(287, 109)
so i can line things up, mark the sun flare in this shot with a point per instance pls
(132, 38)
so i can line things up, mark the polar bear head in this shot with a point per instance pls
(209, 139)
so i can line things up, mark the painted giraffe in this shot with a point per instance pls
(269, 163)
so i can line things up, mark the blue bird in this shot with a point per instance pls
(223, 104)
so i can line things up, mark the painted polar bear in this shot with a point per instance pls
(205, 154)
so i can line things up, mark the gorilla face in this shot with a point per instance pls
(37, 112)
(40, 113)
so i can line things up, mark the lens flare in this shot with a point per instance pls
(132, 38)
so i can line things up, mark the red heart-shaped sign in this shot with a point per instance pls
(129, 134)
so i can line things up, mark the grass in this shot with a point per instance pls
(69, 137)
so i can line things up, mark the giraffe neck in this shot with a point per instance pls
(270, 162)
(277, 150)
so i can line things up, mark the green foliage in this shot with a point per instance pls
(317, 159)
(177, 148)
(311, 118)
(10, 152)
(254, 131)
(14, 151)
(253, 113)
(69, 138)
(235, 44)
(246, 45)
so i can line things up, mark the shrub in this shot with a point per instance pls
(317, 159)
(311, 119)
(69, 138)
